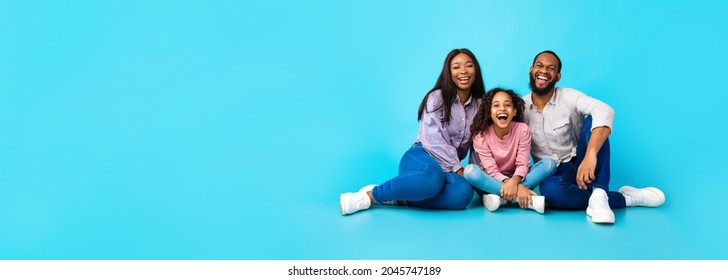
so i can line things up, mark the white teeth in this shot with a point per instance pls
(502, 116)
(540, 77)
(464, 79)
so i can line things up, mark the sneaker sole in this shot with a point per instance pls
(341, 204)
(604, 219)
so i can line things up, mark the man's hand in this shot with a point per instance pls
(585, 173)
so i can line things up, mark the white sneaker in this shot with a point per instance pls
(598, 208)
(539, 203)
(493, 201)
(369, 188)
(647, 197)
(352, 202)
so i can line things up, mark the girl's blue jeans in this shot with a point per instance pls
(484, 183)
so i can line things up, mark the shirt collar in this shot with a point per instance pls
(457, 99)
(552, 101)
(553, 97)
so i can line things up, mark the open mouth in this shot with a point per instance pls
(542, 77)
(502, 117)
(464, 80)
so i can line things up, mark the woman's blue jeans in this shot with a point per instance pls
(422, 183)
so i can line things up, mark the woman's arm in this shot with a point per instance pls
(434, 136)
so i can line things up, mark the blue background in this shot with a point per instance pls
(228, 129)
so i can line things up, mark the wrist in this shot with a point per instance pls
(590, 153)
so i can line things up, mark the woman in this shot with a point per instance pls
(430, 174)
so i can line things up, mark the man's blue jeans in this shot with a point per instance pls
(561, 190)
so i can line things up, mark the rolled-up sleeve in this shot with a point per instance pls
(602, 114)
(434, 136)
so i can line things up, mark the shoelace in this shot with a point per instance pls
(363, 201)
(601, 202)
(636, 199)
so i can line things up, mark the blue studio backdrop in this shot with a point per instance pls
(228, 129)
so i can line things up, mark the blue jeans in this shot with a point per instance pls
(422, 183)
(561, 190)
(484, 183)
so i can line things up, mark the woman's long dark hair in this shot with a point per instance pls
(483, 120)
(448, 88)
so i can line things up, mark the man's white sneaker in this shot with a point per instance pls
(598, 208)
(352, 202)
(539, 203)
(647, 197)
(493, 201)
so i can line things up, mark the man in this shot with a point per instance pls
(572, 128)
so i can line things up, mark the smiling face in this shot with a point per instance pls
(544, 74)
(502, 110)
(462, 71)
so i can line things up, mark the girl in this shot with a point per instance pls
(502, 142)
(430, 174)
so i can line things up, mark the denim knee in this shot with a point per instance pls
(468, 171)
(431, 182)
(549, 165)
(586, 125)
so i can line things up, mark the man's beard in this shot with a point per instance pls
(543, 91)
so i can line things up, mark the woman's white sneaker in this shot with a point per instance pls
(367, 188)
(353, 202)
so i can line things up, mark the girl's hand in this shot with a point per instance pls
(525, 196)
(509, 190)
